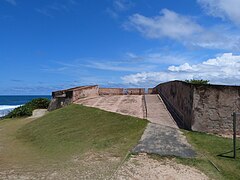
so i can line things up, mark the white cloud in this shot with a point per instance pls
(183, 67)
(119, 66)
(157, 58)
(225, 9)
(122, 5)
(183, 29)
(168, 24)
(119, 6)
(224, 69)
(51, 10)
(12, 2)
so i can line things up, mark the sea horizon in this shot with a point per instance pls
(10, 102)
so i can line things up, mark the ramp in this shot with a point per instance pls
(157, 111)
(162, 135)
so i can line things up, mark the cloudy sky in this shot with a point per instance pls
(55, 44)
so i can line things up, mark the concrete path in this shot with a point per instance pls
(157, 111)
(162, 135)
(165, 141)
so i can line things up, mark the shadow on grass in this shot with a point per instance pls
(226, 154)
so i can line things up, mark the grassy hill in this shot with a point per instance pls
(78, 129)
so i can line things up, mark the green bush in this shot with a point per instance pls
(39, 103)
(197, 81)
(27, 109)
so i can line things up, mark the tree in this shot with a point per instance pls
(197, 81)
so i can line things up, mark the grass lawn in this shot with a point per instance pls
(74, 142)
(211, 151)
(79, 129)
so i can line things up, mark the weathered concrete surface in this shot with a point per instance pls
(157, 111)
(110, 91)
(165, 141)
(124, 104)
(87, 91)
(204, 108)
(162, 136)
(37, 113)
(178, 97)
(213, 106)
(135, 91)
(65, 97)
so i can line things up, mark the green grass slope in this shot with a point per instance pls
(79, 129)
(214, 151)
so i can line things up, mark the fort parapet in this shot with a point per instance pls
(68, 96)
(65, 97)
(204, 108)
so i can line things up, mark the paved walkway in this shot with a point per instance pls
(157, 111)
(162, 135)
(165, 141)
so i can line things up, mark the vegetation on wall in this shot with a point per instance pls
(197, 81)
(26, 109)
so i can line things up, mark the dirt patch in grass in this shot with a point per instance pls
(87, 166)
(144, 167)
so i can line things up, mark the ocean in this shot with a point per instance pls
(8, 103)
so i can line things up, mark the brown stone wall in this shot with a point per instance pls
(213, 106)
(135, 91)
(86, 91)
(178, 97)
(65, 97)
(150, 91)
(204, 108)
(110, 91)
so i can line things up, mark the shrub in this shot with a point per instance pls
(26, 110)
(20, 112)
(39, 103)
(197, 81)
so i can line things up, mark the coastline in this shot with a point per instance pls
(10, 102)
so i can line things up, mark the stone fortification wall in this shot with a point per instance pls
(213, 106)
(82, 92)
(135, 91)
(205, 108)
(110, 91)
(150, 91)
(68, 96)
(178, 97)
(60, 99)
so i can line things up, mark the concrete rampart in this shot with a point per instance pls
(68, 96)
(110, 91)
(135, 91)
(178, 97)
(150, 91)
(205, 108)
(86, 91)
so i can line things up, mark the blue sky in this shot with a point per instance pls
(56, 44)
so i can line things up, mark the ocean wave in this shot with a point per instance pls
(5, 109)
